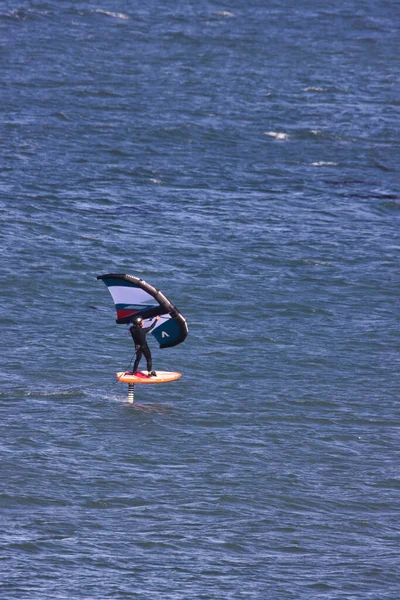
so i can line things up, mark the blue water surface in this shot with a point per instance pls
(242, 158)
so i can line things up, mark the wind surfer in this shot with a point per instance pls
(138, 333)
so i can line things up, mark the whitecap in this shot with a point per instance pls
(277, 135)
(323, 163)
(314, 89)
(15, 14)
(224, 13)
(108, 13)
(22, 14)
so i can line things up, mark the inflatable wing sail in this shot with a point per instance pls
(133, 297)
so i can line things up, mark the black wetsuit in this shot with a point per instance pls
(139, 339)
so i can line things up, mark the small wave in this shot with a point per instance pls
(21, 15)
(315, 263)
(114, 15)
(15, 14)
(225, 13)
(324, 163)
(390, 206)
(277, 135)
(315, 89)
(61, 115)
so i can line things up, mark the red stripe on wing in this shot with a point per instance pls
(125, 313)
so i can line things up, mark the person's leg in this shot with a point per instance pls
(137, 360)
(147, 355)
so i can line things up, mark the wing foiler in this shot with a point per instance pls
(133, 297)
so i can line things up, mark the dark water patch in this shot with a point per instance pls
(158, 409)
(390, 207)
(383, 168)
(111, 503)
(15, 502)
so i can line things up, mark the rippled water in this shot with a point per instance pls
(244, 159)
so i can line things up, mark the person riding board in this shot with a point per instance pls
(138, 333)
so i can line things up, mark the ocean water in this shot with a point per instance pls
(243, 158)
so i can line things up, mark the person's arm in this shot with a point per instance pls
(147, 329)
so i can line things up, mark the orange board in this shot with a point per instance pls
(142, 377)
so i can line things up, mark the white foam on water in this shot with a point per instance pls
(314, 89)
(114, 15)
(225, 13)
(277, 135)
